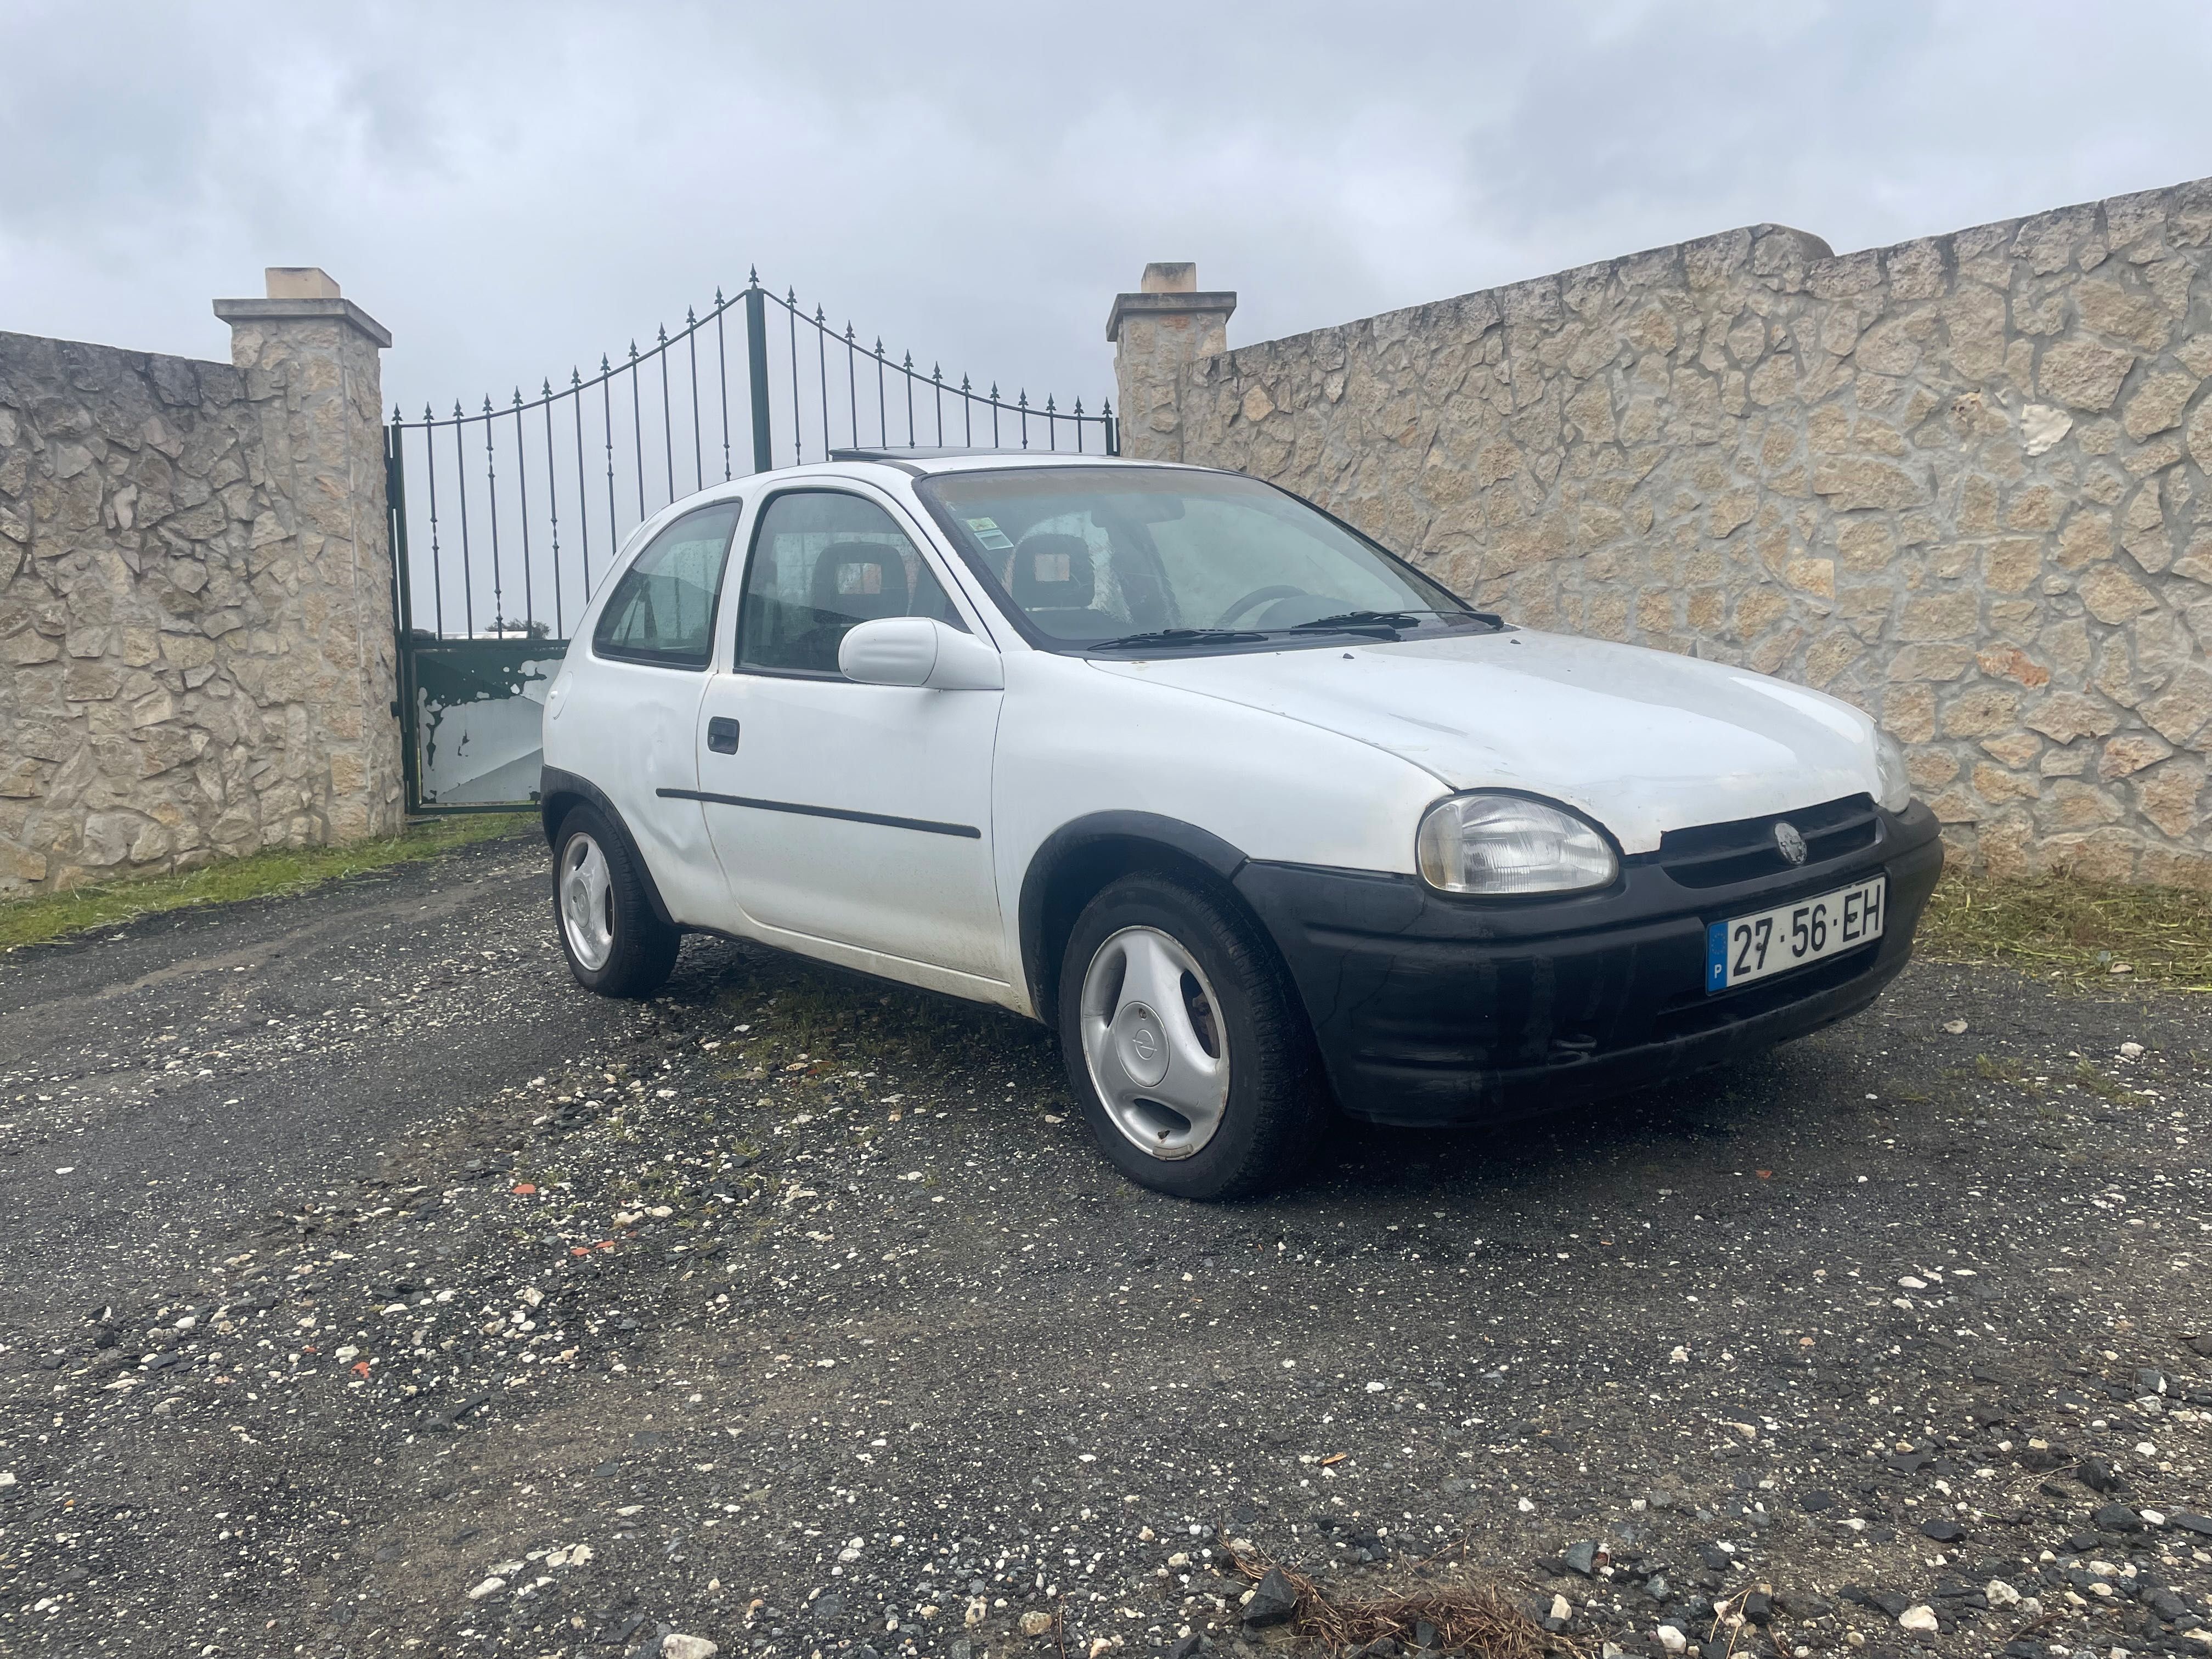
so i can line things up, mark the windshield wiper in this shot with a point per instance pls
(1383, 619)
(1172, 638)
(1355, 621)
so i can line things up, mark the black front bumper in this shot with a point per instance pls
(1432, 1009)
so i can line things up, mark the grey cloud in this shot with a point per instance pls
(514, 188)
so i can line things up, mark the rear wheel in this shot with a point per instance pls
(1185, 1043)
(614, 943)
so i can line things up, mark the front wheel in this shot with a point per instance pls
(614, 943)
(1185, 1043)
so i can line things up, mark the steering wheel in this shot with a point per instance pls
(1258, 595)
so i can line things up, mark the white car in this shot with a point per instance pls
(1265, 821)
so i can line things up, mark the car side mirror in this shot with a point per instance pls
(918, 651)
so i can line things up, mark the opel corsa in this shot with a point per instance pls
(1262, 821)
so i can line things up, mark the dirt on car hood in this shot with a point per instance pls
(1642, 741)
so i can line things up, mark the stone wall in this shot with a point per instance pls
(195, 638)
(1964, 482)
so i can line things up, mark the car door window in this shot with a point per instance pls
(822, 562)
(662, 609)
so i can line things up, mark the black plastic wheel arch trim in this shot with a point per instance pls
(554, 786)
(1208, 848)
(924, 826)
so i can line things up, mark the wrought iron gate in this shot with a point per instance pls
(504, 520)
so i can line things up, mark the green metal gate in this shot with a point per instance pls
(565, 476)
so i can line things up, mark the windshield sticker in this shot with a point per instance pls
(988, 533)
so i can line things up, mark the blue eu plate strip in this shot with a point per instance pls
(1717, 957)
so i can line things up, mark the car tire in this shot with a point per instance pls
(616, 945)
(1219, 1092)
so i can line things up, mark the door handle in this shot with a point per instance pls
(722, 735)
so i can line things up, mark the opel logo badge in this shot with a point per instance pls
(1147, 1047)
(1792, 844)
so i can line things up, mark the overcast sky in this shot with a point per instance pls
(514, 188)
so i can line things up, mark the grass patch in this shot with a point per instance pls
(2080, 931)
(257, 875)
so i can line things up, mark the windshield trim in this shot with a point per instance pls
(1275, 638)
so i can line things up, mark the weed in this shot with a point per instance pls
(2104, 1088)
(1995, 1071)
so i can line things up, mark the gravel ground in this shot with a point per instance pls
(371, 1289)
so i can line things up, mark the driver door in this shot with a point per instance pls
(855, 816)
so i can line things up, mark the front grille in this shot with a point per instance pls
(1717, 854)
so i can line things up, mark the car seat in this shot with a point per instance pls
(859, 582)
(1053, 580)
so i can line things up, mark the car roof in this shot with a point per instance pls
(920, 460)
(908, 463)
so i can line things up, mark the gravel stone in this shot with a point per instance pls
(1274, 1599)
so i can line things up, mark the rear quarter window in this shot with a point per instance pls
(662, 609)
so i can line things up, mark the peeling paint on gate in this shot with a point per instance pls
(479, 713)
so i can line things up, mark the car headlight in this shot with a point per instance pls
(1502, 844)
(1894, 790)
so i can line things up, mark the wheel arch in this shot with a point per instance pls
(1082, 856)
(560, 793)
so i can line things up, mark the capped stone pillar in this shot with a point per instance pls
(1155, 332)
(326, 648)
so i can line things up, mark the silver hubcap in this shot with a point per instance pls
(1154, 1039)
(587, 903)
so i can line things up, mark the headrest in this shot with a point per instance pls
(1052, 572)
(865, 579)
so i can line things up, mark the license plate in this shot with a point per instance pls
(1775, 941)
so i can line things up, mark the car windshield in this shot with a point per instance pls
(1111, 559)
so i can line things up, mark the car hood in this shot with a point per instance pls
(1642, 741)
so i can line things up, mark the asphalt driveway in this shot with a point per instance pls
(370, 1289)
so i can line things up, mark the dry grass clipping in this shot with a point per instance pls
(2083, 932)
(1480, 1619)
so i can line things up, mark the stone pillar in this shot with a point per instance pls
(1156, 332)
(322, 550)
